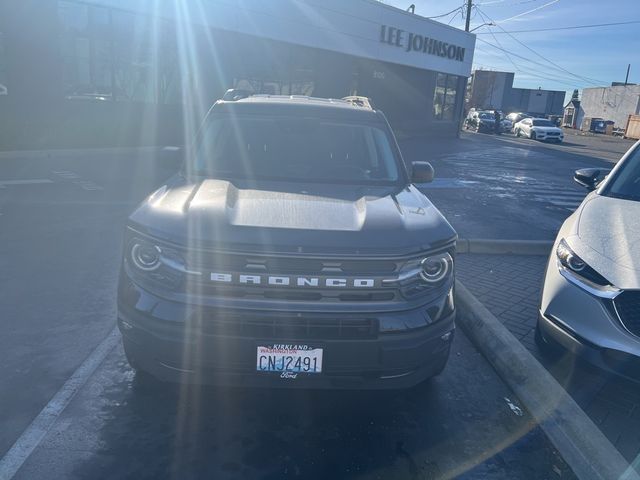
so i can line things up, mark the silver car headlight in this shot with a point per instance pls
(578, 267)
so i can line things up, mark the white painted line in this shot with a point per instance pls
(32, 181)
(565, 204)
(33, 435)
(170, 148)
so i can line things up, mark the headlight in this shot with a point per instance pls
(434, 269)
(155, 263)
(145, 256)
(423, 275)
(572, 262)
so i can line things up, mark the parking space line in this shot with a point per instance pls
(36, 431)
(32, 181)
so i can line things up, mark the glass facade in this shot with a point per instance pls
(109, 54)
(4, 89)
(445, 96)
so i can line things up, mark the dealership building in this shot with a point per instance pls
(127, 72)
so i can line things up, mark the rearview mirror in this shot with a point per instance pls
(590, 177)
(422, 172)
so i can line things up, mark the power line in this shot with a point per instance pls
(521, 57)
(560, 80)
(529, 11)
(556, 78)
(446, 14)
(572, 27)
(488, 20)
(585, 79)
(501, 3)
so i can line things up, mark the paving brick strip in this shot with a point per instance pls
(579, 440)
(502, 247)
(582, 445)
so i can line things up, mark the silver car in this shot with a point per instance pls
(591, 296)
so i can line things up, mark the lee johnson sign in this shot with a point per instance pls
(413, 42)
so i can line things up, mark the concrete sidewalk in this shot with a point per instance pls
(509, 286)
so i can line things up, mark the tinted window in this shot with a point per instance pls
(626, 183)
(543, 123)
(444, 97)
(295, 149)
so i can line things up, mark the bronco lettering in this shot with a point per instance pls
(285, 281)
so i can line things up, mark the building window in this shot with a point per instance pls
(3, 67)
(444, 97)
(109, 54)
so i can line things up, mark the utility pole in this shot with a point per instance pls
(626, 80)
(468, 20)
(464, 90)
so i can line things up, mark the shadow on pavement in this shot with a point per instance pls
(457, 425)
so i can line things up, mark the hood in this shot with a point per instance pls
(293, 217)
(607, 237)
(547, 129)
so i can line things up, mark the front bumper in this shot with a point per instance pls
(161, 341)
(586, 325)
(549, 138)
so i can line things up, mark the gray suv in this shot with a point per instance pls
(292, 249)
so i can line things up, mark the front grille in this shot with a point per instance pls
(283, 328)
(628, 307)
(289, 265)
(292, 294)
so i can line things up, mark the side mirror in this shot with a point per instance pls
(422, 172)
(590, 177)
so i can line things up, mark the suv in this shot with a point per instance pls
(292, 249)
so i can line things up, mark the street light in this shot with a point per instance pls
(490, 24)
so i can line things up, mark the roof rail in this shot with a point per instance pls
(234, 94)
(358, 101)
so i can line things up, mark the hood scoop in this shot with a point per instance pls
(276, 209)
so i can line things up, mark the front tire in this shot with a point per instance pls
(142, 376)
(532, 135)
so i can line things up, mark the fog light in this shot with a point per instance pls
(446, 337)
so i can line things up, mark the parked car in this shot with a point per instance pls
(591, 297)
(506, 125)
(293, 249)
(481, 121)
(515, 117)
(539, 129)
(600, 126)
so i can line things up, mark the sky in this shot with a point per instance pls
(583, 57)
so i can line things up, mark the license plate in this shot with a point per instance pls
(289, 358)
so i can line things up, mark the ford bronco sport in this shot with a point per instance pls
(292, 249)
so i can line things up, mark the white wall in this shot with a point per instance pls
(346, 26)
(611, 103)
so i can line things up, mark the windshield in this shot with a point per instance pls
(295, 149)
(626, 183)
(542, 123)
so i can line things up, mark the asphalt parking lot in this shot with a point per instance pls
(61, 219)
(503, 187)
